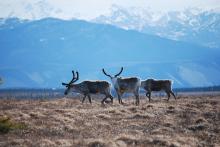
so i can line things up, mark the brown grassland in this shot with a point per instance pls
(188, 121)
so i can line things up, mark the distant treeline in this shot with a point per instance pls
(31, 93)
(58, 93)
(198, 89)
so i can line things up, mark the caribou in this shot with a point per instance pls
(157, 85)
(88, 87)
(122, 85)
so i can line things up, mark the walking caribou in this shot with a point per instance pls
(157, 85)
(89, 87)
(122, 85)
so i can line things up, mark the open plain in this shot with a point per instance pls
(188, 121)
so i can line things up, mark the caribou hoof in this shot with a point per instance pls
(108, 102)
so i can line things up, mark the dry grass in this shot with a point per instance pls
(189, 121)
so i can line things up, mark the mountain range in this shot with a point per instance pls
(42, 53)
(191, 25)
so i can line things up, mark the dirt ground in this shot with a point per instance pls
(188, 121)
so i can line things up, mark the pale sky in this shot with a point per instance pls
(89, 9)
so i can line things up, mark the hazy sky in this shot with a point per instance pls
(88, 9)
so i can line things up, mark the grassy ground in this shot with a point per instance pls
(189, 121)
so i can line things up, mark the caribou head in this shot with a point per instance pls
(113, 78)
(70, 84)
(124, 85)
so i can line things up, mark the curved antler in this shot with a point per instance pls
(74, 79)
(77, 76)
(106, 73)
(73, 73)
(119, 72)
(64, 84)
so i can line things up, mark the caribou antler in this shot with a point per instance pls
(119, 72)
(106, 73)
(77, 76)
(74, 79)
(64, 84)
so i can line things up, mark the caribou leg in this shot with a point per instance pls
(137, 99)
(119, 98)
(83, 98)
(148, 94)
(111, 97)
(173, 94)
(104, 99)
(168, 95)
(90, 100)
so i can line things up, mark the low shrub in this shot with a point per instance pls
(6, 124)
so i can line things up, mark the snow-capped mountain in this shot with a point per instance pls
(191, 25)
(42, 53)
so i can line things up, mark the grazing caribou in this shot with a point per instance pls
(89, 87)
(122, 85)
(157, 85)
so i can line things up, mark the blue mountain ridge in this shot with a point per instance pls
(42, 53)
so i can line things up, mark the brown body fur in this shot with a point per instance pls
(157, 85)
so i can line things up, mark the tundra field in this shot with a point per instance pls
(188, 121)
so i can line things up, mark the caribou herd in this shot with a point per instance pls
(121, 85)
